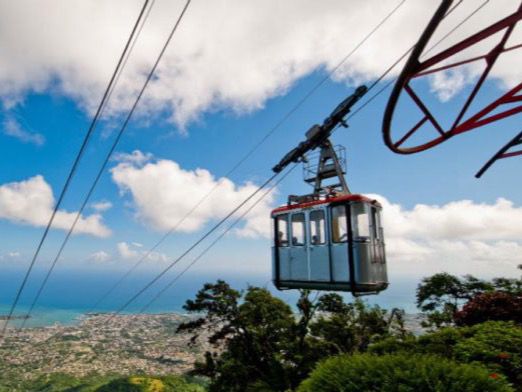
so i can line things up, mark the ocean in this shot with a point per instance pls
(70, 294)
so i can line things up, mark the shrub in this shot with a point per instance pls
(400, 372)
(262, 345)
(441, 295)
(441, 342)
(497, 345)
(492, 306)
(393, 344)
(150, 384)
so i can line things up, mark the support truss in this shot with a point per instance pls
(463, 122)
(504, 153)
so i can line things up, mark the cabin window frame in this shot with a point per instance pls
(304, 236)
(278, 242)
(335, 221)
(323, 232)
(356, 223)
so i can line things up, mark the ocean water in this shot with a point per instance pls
(70, 294)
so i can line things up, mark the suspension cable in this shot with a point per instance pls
(388, 70)
(129, 52)
(294, 109)
(195, 244)
(216, 240)
(228, 216)
(74, 167)
(107, 158)
(237, 220)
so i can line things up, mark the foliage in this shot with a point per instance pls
(255, 333)
(392, 345)
(492, 306)
(150, 384)
(440, 296)
(495, 344)
(348, 328)
(261, 345)
(512, 286)
(400, 372)
(60, 382)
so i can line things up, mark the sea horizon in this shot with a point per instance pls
(73, 294)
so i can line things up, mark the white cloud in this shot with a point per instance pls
(163, 193)
(132, 252)
(12, 128)
(464, 220)
(448, 83)
(10, 256)
(136, 157)
(459, 237)
(125, 251)
(100, 257)
(31, 202)
(224, 56)
(102, 206)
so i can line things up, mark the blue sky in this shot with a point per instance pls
(440, 217)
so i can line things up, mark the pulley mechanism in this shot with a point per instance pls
(328, 165)
(330, 239)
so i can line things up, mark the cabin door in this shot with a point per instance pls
(318, 252)
(339, 244)
(298, 262)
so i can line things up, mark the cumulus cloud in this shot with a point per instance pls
(460, 237)
(242, 55)
(132, 251)
(136, 157)
(102, 206)
(125, 251)
(10, 256)
(163, 194)
(100, 257)
(31, 202)
(12, 128)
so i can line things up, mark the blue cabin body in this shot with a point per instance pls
(336, 243)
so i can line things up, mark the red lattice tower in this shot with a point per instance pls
(494, 111)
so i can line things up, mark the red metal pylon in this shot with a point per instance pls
(415, 68)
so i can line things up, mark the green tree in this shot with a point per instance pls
(496, 345)
(150, 384)
(440, 296)
(401, 372)
(255, 334)
(511, 286)
(262, 345)
(351, 327)
(491, 306)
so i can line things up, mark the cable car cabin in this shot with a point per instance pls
(335, 243)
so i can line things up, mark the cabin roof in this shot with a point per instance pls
(327, 200)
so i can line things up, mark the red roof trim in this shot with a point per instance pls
(326, 201)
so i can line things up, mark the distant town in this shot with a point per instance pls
(101, 344)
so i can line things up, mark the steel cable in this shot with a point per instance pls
(161, 292)
(147, 254)
(107, 158)
(74, 167)
(216, 240)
